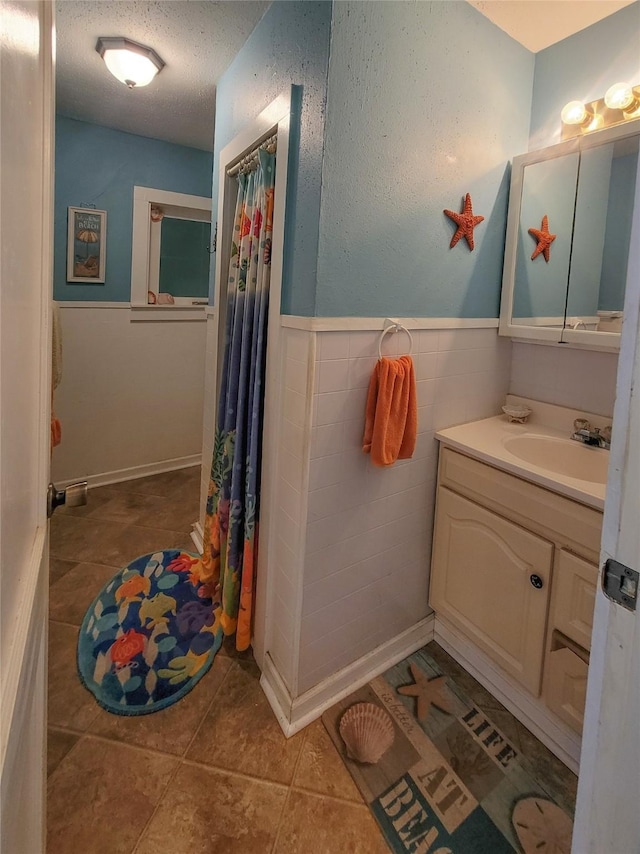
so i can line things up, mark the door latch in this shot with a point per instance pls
(620, 583)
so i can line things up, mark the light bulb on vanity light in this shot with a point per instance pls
(621, 96)
(576, 113)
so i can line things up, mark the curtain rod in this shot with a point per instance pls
(248, 162)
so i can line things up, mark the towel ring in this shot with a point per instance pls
(395, 327)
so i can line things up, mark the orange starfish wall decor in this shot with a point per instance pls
(544, 239)
(466, 222)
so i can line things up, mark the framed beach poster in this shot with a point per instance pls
(86, 245)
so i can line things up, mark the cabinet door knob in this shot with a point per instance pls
(536, 581)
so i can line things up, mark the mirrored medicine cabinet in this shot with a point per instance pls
(585, 187)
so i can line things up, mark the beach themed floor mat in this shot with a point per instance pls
(437, 774)
(150, 635)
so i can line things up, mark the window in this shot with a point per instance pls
(170, 253)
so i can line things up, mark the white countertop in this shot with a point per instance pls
(485, 441)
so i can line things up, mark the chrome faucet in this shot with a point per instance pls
(589, 435)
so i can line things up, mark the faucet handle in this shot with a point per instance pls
(606, 433)
(581, 424)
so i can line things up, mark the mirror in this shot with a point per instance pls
(574, 292)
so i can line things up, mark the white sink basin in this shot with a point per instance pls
(561, 456)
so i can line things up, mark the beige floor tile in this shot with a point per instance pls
(59, 743)
(241, 733)
(175, 512)
(209, 812)
(320, 768)
(228, 649)
(164, 485)
(70, 704)
(313, 824)
(70, 597)
(102, 795)
(59, 567)
(106, 502)
(96, 541)
(169, 730)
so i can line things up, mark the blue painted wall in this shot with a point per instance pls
(582, 67)
(100, 166)
(426, 102)
(289, 46)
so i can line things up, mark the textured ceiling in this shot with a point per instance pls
(536, 24)
(196, 38)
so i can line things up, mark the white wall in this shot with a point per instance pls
(292, 488)
(209, 406)
(131, 397)
(350, 568)
(579, 379)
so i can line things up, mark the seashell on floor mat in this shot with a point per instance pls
(367, 731)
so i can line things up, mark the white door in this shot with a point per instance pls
(607, 814)
(26, 217)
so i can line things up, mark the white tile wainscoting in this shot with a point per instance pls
(349, 571)
(579, 379)
(130, 400)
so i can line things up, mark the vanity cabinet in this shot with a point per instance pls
(481, 581)
(514, 569)
(569, 637)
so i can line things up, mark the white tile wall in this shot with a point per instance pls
(209, 410)
(580, 379)
(131, 393)
(295, 375)
(368, 530)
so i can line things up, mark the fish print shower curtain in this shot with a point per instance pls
(231, 525)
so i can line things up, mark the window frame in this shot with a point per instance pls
(145, 252)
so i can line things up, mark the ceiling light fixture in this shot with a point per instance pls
(133, 64)
(621, 103)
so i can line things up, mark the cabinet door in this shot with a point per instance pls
(481, 581)
(574, 597)
(565, 687)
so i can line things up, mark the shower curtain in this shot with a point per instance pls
(231, 524)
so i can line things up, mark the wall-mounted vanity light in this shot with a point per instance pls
(133, 64)
(620, 104)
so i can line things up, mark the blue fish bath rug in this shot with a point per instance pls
(150, 635)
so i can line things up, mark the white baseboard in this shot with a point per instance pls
(134, 472)
(295, 714)
(531, 711)
(197, 535)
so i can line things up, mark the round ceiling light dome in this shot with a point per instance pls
(132, 63)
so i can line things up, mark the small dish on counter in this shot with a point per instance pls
(516, 413)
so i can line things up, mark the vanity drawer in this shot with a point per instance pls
(560, 519)
(565, 685)
(574, 597)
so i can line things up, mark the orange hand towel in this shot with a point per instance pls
(391, 419)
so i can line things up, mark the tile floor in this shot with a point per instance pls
(213, 773)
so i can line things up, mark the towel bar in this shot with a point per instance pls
(394, 326)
